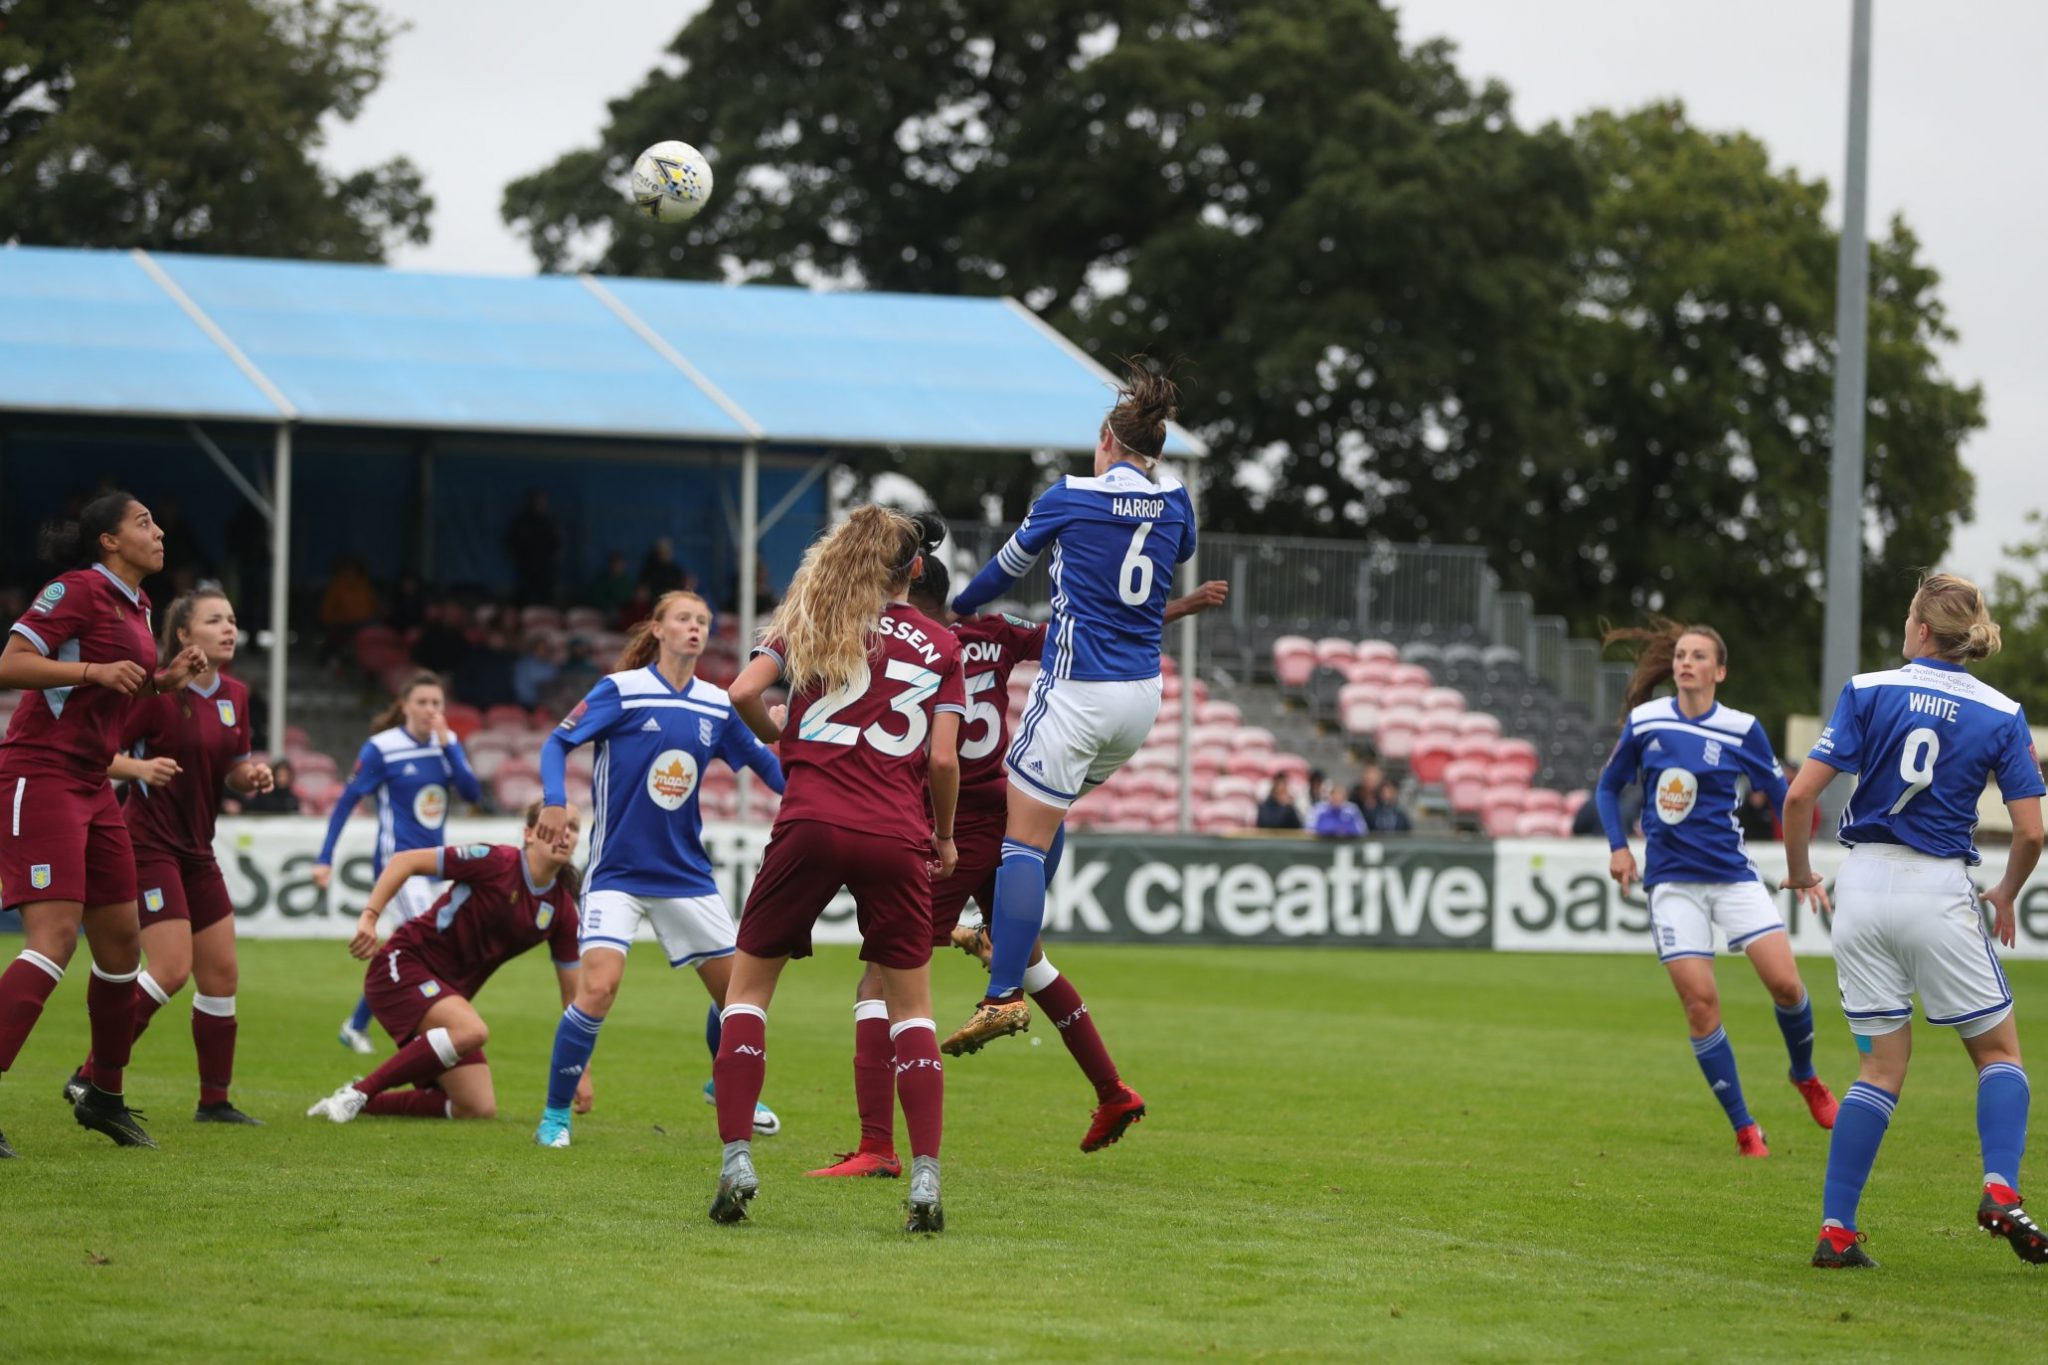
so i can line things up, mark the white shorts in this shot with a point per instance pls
(416, 896)
(1683, 916)
(1905, 922)
(691, 929)
(1075, 735)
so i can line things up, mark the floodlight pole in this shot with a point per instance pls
(750, 550)
(280, 582)
(1843, 628)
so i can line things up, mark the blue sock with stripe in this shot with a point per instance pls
(1019, 915)
(2002, 1096)
(714, 1029)
(575, 1037)
(1717, 1064)
(1055, 853)
(1797, 1026)
(360, 1020)
(1859, 1129)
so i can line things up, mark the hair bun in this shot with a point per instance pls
(931, 531)
(1982, 642)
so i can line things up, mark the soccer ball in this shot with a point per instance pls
(671, 182)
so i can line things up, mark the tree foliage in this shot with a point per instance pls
(1603, 353)
(194, 125)
(2019, 603)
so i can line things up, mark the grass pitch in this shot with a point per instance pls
(1402, 1155)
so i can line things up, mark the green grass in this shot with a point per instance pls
(1350, 1153)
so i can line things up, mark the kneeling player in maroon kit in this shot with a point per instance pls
(80, 651)
(184, 751)
(874, 714)
(990, 648)
(500, 902)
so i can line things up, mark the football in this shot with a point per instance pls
(671, 182)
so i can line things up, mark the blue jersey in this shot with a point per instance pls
(1114, 541)
(1689, 767)
(410, 779)
(653, 744)
(1922, 740)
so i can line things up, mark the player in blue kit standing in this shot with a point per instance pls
(656, 726)
(408, 763)
(1689, 752)
(1922, 740)
(1114, 539)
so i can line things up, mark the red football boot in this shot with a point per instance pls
(872, 1164)
(1841, 1249)
(1820, 1101)
(1112, 1118)
(2000, 1214)
(1749, 1141)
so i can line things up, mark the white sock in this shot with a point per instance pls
(1039, 975)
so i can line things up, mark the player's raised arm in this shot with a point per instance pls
(1041, 527)
(416, 862)
(367, 777)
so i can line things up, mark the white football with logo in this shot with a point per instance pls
(671, 182)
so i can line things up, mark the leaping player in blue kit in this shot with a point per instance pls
(1922, 740)
(1114, 538)
(656, 726)
(408, 763)
(1689, 752)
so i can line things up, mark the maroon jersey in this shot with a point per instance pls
(990, 647)
(85, 616)
(856, 756)
(490, 915)
(207, 733)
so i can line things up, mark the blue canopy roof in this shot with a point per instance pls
(125, 334)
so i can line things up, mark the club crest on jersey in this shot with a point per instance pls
(430, 989)
(47, 600)
(153, 899)
(546, 915)
(226, 707)
(430, 805)
(671, 778)
(1713, 753)
(1677, 791)
(581, 709)
(39, 876)
(475, 851)
(704, 732)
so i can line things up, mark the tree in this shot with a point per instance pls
(193, 125)
(2019, 603)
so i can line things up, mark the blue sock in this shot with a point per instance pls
(1053, 854)
(714, 1029)
(1717, 1063)
(2002, 1095)
(1797, 1026)
(360, 1020)
(575, 1036)
(1019, 915)
(1859, 1127)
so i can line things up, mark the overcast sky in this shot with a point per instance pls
(477, 93)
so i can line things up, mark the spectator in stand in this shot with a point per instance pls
(764, 595)
(443, 642)
(408, 605)
(1335, 817)
(1278, 810)
(535, 670)
(279, 800)
(659, 572)
(1586, 823)
(349, 602)
(484, 677)
(1759, 822)
(1366, 791)
(579, 673)
(638, 608)
(1383, 813)
(611, 590)
(533, 542)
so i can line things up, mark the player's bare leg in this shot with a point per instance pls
(716, 974)
(470, 1092)
(921, 1087)
(1771, 955)
(874, 1087)
(1693, 979)
(739, 1073)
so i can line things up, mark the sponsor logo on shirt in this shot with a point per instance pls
(430, 805)
(47, 599)
(1677, 791)
(226, 707)
(650, 724)
(1653, 747)
(153, 899)
(671, 778)
(39, 875)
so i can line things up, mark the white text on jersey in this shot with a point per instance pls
(912, 636)
(1145, 509)
(1947, 708)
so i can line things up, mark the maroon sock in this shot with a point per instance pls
(24, 986)
(920, 1084)
(110, 1011)
(1069, 1014)
(430, 1103)
(146, 1006)
(417, 1063)
(740, 1071)
(213, 1038)
(874, 1084)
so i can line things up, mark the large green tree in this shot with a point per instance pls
(2019, 603)
(1604, 354)
(195, 125)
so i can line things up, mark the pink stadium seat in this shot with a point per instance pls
(1214, 736)
(512, 789)
(486, 762)
(1150, 757)
(540, 618)
(1252, 765)
(1218, 713)
(1575, 799)
(1465, 770)
(1431, 755)
(1474, 748)
(1294, 765)
(1478, 723)
(1404, 695)
(1334, 652)
(1394, 740)
(1537, 824)
(315, 764)
(1467, 795)
(1501, 821)
(1379, 649)
(1507, 775)
(510, 719)
(1443, 699)
(1210, 760)
(464, 720)
(584, 620)
(1294, 658)
(1364, 670)
(1519, 753)
(1231, 785)
(1544, 799)
(1358, 717)
(1411, 675)
(1253, 739)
